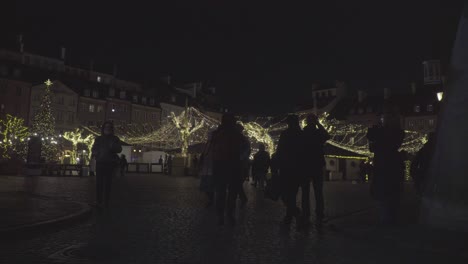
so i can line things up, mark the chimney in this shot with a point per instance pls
(386, 93)
(20, 43)
(62, 53)
(360, 96)
(413, 88)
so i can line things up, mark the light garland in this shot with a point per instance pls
(14, 135)
(76, 137)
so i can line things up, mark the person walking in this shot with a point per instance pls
(421, 163)
(205, 170)
(123, 165)
(245, 159)
(105, 149)
(260, 166)
(385, 140)
(227, 145)
(315, 137)
(289, 154)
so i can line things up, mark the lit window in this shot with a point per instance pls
(99, 108)
(430, 108)
(417, 108)
(91, 108)
(99, 79)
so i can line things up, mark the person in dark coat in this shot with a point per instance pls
(421, 163)
(123, 165)
(245, 159)
(105, 149)
(289, 152)
(384, 141)
(260, 166)
(227, 145)
(315, 137)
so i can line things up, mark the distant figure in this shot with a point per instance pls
(384, 141)
(169, 165)
(105, 149)
(421, 163)
(273, 187)
(289, 153)
(227, 145)
(260, 166)
(161, 161)
(245, 160)
(363, 171)
(315, 137)
(123, 165)
(205, 170)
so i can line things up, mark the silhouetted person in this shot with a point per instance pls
(227, 144)
(273, 190)
(105, 149)
(161, 161)
(245, 160)
(363, 171)
(421, 163)
(260, 166)
(123, 165)
(205, 170)
(384, 141)
(315, 137)
(169, 165)
(289, 157)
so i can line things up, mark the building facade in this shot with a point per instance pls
(15, 98)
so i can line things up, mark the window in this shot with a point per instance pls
(431, 122)
(99, 108)
(135, 98)
(151, 101)
(70, 118)
(91, 108)
(98, 79)
(369, 109)
(16, 73)
(60, 100)
(19, 91)
(124, 108)
(95, 94)
(411, 124)
(83, 107)
(72, 102)
(90, 123)
(143, 100)
(87, 92)
(417, 108)
(111, 92)
(430, 108)
(122, 94)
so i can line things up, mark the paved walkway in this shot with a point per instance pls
(162, 219)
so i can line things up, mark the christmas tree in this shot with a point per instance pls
(44, 125)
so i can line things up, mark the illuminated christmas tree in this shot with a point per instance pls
(44, 125)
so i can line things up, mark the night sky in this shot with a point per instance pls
(263, 58)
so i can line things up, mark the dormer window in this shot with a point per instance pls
(122, 94)
(430, 108)
(87, 92)
(417, 109)
(135, 98)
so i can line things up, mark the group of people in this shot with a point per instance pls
(298, 162)
(299, 159)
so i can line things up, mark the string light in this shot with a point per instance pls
(13, 132)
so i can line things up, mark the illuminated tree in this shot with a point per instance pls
(186, 127)
(13, 136)
(76, 137)
(44, 125)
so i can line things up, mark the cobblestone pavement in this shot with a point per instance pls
(161, 219)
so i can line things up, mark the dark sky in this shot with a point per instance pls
(262, 57)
